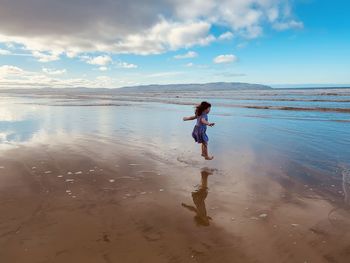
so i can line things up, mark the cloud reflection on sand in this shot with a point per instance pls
(12, 110)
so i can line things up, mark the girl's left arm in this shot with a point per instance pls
(204, 121)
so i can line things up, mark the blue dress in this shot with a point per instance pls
(199, 131)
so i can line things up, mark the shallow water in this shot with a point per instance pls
(315, 140)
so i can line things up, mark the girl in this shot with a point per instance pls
(199, 131)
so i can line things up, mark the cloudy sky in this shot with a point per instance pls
(114, 43)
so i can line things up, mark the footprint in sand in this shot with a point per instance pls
(149, 232)
(182, 159)
(106, 237)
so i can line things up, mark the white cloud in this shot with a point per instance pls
(9, 45)
(127, 27)
(189, 65)
(72, 53)
(272, 14)
(54, 71)
(165, 36)
(229, 58)
(253, 32)
(7, 70)
(280, 26)
(99, 60)
(15, 77)
(226, 36)
(46, 56)
(103, 68)
(189, 54)
(4, 52)
(164, 74)
(122, 64)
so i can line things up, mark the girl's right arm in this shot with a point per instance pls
(191, 118)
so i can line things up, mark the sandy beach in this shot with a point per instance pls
(100, 185)
(60, 206)
(171, 131)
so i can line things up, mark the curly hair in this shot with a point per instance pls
(202, 107)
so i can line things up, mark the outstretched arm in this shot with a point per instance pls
(191, 118)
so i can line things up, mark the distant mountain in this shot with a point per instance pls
(218, 86)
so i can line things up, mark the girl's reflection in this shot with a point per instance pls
(199, 196)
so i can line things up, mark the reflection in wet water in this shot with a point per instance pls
(284, 140)
(198, 197)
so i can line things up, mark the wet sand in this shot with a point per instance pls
(111, 203)
(98, 211)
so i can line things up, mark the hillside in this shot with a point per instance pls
(219, 86)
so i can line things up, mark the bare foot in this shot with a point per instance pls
(208, 157)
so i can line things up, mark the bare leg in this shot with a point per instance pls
(205, 152)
